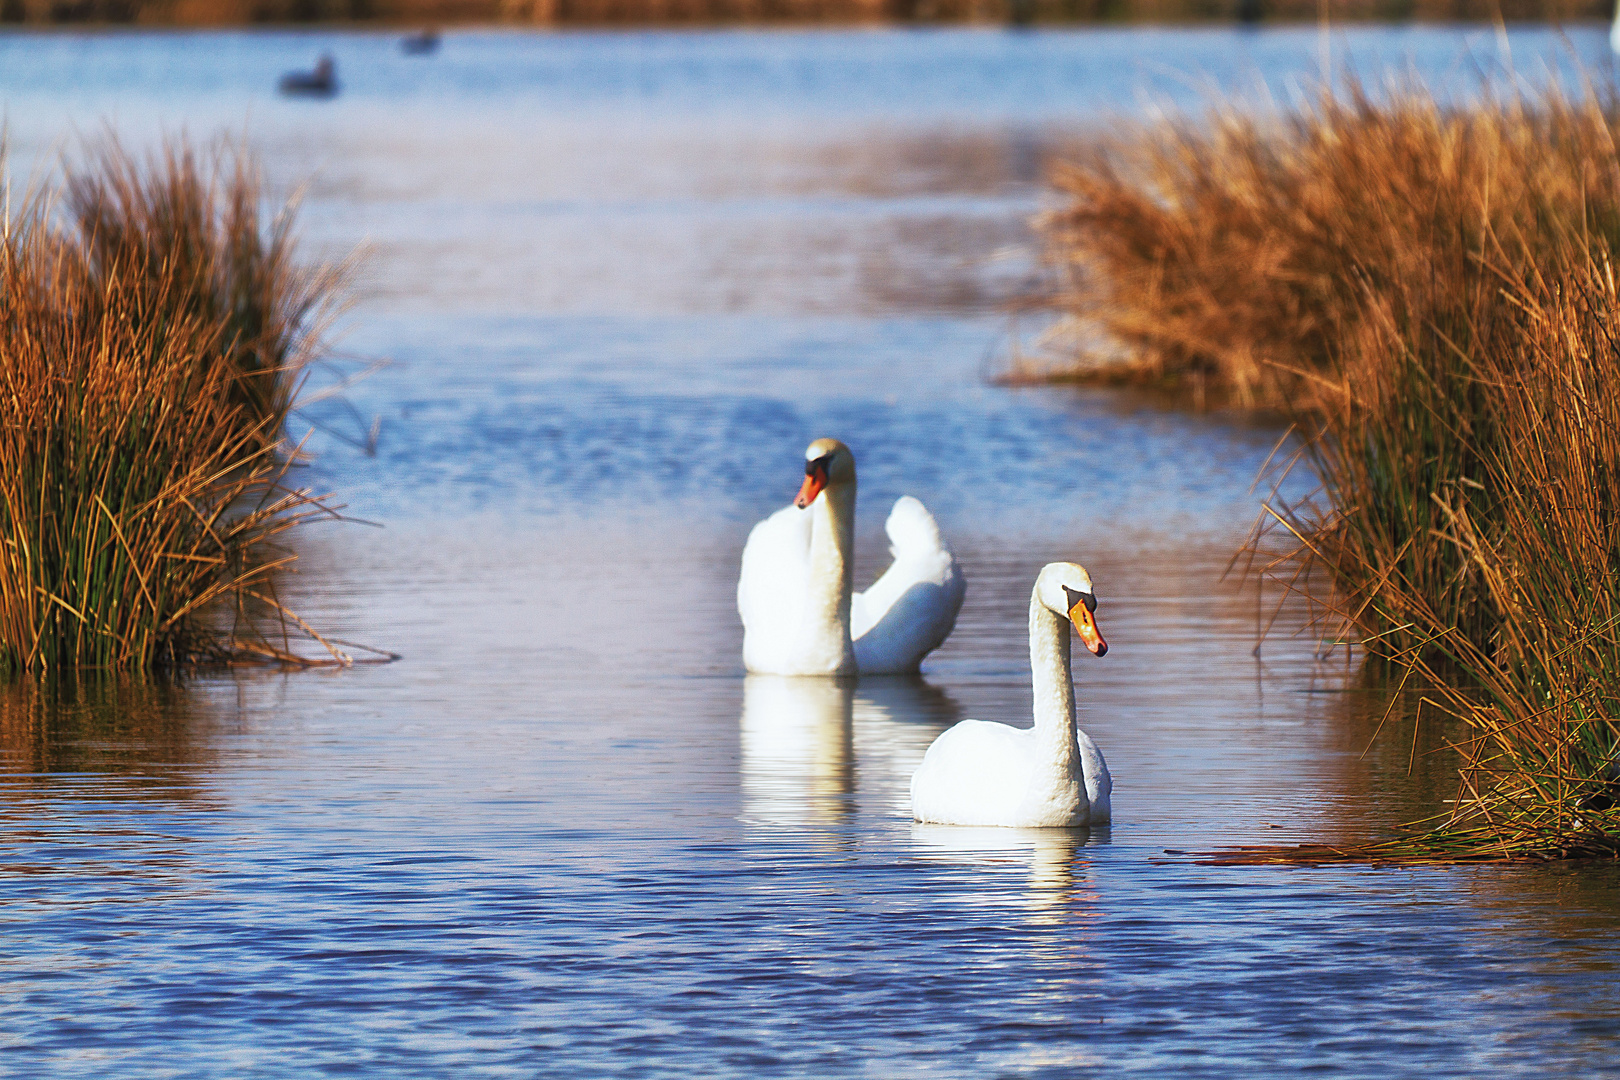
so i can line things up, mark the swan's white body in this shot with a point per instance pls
(1049, 775)
(799, 611)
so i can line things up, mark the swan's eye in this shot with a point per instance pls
(1075, 596)
(818, 466)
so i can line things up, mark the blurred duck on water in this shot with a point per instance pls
(424, 42)
(320, 82)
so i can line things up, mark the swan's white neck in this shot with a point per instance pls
(1057, 761)
(832, 573)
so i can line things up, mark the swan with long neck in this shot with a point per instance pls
(800, 613)
(1048, 775)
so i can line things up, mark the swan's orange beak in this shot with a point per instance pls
(815, 478)
(1085, 624)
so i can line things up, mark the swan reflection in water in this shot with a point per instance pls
(1042, 869)
(816, 749)
(798, 763)
(896, 719)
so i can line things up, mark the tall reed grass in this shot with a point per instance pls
(1429, 293)
(1471, 518)
(1233, 256)
(152, 338)
(189, 236)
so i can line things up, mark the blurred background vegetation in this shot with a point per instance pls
(668, 12)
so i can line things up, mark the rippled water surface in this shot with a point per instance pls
(623, 279)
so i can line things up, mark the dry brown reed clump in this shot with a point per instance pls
(1232, 257)
(1472, 522)
(188, 236)
(150, 347)
(1429, 293)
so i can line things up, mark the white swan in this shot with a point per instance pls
(795, 595)
(1052, 774)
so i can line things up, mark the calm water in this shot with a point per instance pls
(623, 280)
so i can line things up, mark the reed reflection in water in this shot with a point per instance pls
(136, 729)
(102, 780)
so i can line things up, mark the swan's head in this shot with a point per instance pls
(1065, 588)
(827, 463)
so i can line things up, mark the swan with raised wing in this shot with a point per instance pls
(1049, 775)
(800, 613)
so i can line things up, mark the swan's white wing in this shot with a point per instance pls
(773, 587)
(1099, 783)
(976, 773)
(979, 773)
(911, 609)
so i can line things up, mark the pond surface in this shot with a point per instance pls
(623, 280)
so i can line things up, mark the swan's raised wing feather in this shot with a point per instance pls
(911, 609)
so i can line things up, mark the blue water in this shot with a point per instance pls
(620, 281)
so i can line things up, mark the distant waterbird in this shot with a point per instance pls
(320, 82)
(424, 42)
